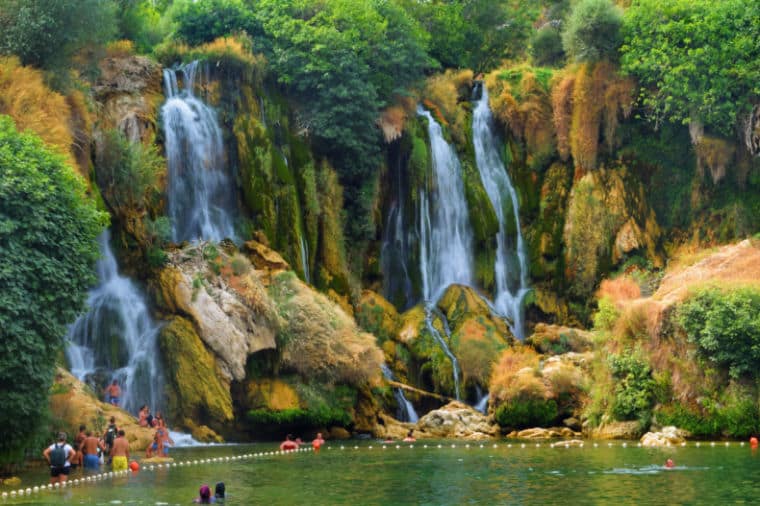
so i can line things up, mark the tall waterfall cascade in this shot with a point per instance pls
(117, 338)
(511, 266)
(446, 255)
(201, 192)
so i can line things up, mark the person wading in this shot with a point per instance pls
(120, 452)
(59, 456)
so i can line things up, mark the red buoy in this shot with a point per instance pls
(134, 466)
(753, 442)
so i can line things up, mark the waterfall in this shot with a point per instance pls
(406, 409)
(116, 338)
(445, 237)
(201, 193)
(482, 403)
(430, 310)
(511, 267)
(305, 258)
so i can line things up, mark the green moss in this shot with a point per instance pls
(194, 389)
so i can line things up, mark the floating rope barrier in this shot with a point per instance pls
(94, 478)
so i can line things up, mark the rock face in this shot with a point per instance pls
(617, 430)
(232, 313)
(667, 436)
(540, 433)
(456, 420)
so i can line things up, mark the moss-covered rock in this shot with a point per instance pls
(376, 315)
(193, 382)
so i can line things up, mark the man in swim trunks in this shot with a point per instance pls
(59, 456)
(89, 449)
(318, 442)
(120, 452)
(77, 461)
(114, 392)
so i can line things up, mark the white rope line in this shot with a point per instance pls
(92, 479)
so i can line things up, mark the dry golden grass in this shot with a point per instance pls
(620, 289)
(33, 106)
(442, 94)
(120, 49)
(391, 122)
(562, 109)
(618, 101)
(504, 376)
(586, 118)
(80, 125)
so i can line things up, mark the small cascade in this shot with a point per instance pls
(116, 338)
(431, 311)
(406, 409)
(482, 404)
(305, 259)
(446, 255)
(511, 267)
(201, 200)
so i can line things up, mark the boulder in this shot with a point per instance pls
(390, 428)
(375, 314)
(263, 257)
(667, 436)
(541, 433)
(456, 420)
(617, 430)
(339, 433)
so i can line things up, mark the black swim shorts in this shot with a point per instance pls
(56, 471)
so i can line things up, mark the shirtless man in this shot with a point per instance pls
(114, 392)
(89, 449)
(288, 444)
(120, 452)
(318, 442)
(77, 461)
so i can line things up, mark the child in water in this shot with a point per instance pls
(204, 496)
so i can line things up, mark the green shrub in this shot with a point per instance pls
(634, 386)
(546, 47)
(322, 416)
(524, 413)
(725, 324)
(593, 31)
(203, 21)
(48, 228)
(606, 315)
(684, 418)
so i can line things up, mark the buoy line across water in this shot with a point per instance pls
(92, 479)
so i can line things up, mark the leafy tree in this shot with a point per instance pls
(47, 245)
(726, 327)
(47, 33)
(203, 21)
(696, 60)
(141, 22)
(593, 31)
(546, 47)
(634, 386)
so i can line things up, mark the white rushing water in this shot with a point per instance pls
(116, 338)
(406, 408)
(511, 267)
(304, 248)
(201, 193)
(446, 255)
(445, 238)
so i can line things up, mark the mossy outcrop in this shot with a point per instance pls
(195, 388)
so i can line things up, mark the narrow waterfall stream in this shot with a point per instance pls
(511, 267)
(116, 338)
(201, 200)
(406, 408)
(446, 255)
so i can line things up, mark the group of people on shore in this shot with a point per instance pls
(89, 451)
(161, 439)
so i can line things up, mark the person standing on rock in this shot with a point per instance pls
(59, 456)
(113, 393)
(90, 449)
(120, 452)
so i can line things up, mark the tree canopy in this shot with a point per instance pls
(48, 228)
(696, 60)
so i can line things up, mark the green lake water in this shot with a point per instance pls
(434, 476)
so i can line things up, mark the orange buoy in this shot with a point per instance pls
(134, 466)
(753, 442)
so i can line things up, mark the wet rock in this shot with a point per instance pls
(667, 436)
(541, 433)
(572, 423)
(617, 430)
(456, 420)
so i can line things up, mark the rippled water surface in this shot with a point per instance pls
(435, 476)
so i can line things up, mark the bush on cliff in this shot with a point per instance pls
(525, 413)
(48, 228)
(593, 31)
(726, 327)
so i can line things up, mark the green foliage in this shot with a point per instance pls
(725, 324)
(297, 417)
(127, 173)
(524, 413)
(634, 386)
(696, 60)
(546, 47)
(47, 246)
(47, 33)
(606, 314)
(593, 31)
(140, 21)
(202, 21)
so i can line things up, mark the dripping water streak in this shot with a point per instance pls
(406, 408)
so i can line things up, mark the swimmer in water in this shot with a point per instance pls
(410, 437)
(669, 464)
(289, 444)
(318, 442)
